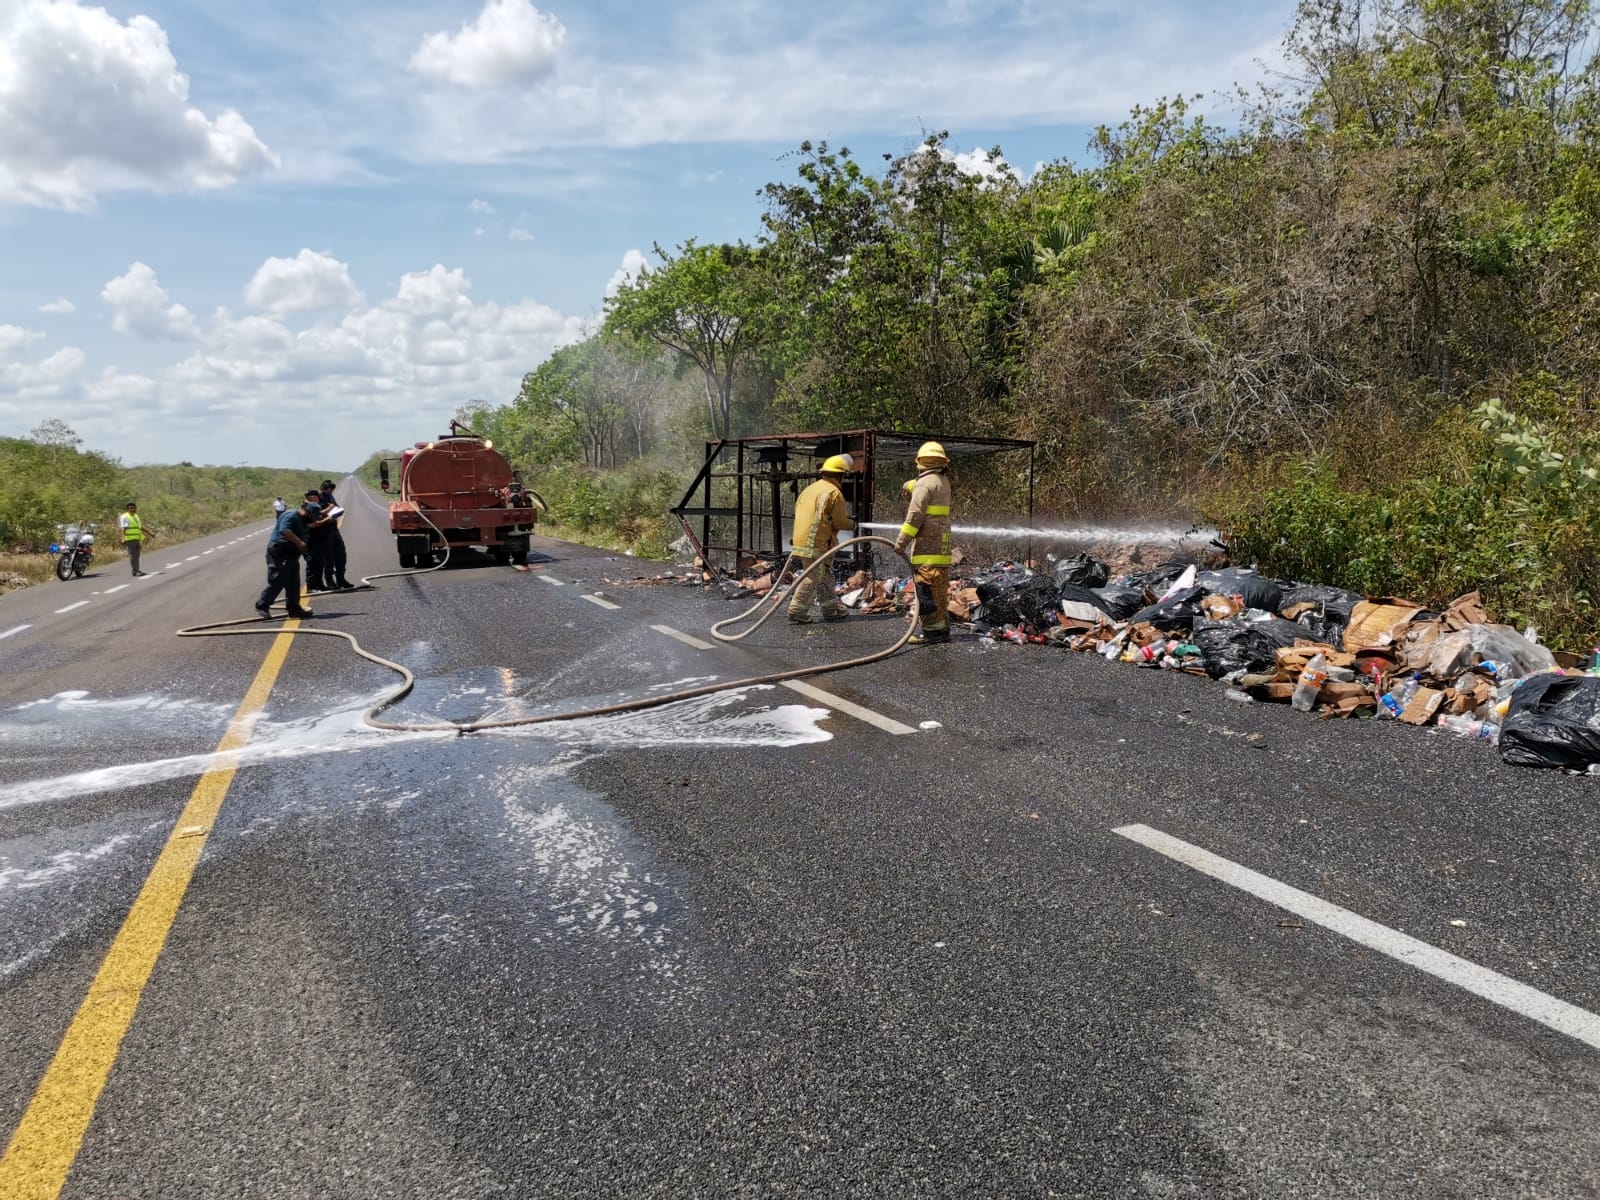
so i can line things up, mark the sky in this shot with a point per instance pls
(292, 234)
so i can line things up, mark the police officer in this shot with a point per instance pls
(333, 567)
(927, 532)
(317, 555)
(132, 536)
(291, 537)
(819, 514)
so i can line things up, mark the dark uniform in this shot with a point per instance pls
(289, 538)
(333, 566)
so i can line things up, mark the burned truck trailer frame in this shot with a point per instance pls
(457, 491)
(740, 505)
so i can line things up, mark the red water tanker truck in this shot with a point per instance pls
(459, 491)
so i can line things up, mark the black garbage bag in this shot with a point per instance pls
(1332, 602)
(1554, 721)
(1032, 599)
(1257, 591)
(1157, 579)
(1082, 571)
(1070, 593)
(1249, 646)
(1120, 603)
(1178, 612)
(1320, 627)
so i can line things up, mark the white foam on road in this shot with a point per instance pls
(65, 862)
(1498, 989)
(715, 720)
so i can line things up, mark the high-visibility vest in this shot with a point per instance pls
(135, 530)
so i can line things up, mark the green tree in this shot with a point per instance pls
(707, 305)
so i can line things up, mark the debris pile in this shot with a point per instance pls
(1317, 647)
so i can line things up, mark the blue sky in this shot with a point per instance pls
(292, 234)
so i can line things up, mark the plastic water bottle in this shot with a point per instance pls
(1407, 689)
(1390, 707)
(1467, 726)
(1312, 678)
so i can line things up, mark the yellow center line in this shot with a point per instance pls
(46, 1143)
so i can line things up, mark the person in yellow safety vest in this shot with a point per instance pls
(132, 536)
(819, 514)
(927, 532)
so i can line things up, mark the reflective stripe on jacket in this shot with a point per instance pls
(928, 520)
(819, 514)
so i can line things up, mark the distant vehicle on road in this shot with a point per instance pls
(459, 491)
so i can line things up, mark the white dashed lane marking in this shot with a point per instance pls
(1498, 989)
(191, 558)
(602, 602)
(172, 566)
(878, 720)
(12, 632)
(554, 580)
(683, 637)
(118, 588)
(70, 607)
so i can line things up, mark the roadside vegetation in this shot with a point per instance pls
(1358, 329)
(47, 480)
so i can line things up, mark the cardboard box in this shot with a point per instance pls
(1423, 706)
(1378, 622)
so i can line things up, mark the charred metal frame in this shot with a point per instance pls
(740, 508)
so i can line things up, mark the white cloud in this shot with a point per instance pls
(89, 104)
(14, 338)
(114, 387)
(139, 307)
(758, 71)
(385, 373)
(981, 163)
(480, 207)
(633, 262)
(308, 282)
(55, 377)
(519, 234)
(510, 42)
(58, 308)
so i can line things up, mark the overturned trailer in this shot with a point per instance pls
(740, 507)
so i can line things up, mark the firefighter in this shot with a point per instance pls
(819, 514)
(927, 532)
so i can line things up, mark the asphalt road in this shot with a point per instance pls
(755, 945)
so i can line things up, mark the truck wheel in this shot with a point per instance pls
(500, 555)
(519, 558)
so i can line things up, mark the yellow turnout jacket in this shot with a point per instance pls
(819, 514)
(928, 520)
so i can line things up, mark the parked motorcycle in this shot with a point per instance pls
(76, 548)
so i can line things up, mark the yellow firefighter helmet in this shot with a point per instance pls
(839, 464)
(932, 452)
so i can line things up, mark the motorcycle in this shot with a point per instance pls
(76, 548)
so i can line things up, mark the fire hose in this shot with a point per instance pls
(370, 717)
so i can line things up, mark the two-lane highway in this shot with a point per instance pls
(978, 920)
